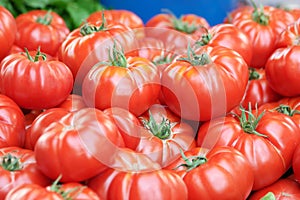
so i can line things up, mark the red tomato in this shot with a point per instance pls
(34, 82)
(296, 164)
(283, 189)
(262, 26)
(283, 71)
(206, 83)
(84, 137)
(41, 28)
(228, 35)
(17, 167)
(7, 31)
(289, 36)
(72, 103)
(132, 83)
(125, 17)
(71, 190)
(83, 47)
(202, 169)
(12, 126)
(258, 91)
(134, 185)
(267, 141)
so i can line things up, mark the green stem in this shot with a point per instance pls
(37, 55)
(191, 162)
(196, 59)
(253, 74)
(56, 187)
(46, 19)
(118, 57)
(87, 29)
(287, 110)
(11, 163)
(258, 15)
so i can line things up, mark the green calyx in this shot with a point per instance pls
(117, 57)
(205, 38)
(250, 123)
(269, 196)
(253, 74)
(196, 59)
(259, 16)
(37, 56)
(87, 29)
(287, 110)
(183, 26)
(11, 163)
(192, 162)
(56, 187)
(46, 19)
(161, 130)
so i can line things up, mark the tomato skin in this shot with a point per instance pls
(35, 84)
(289, 36)
(7, 32)
(283, 70)
(27, 174)
(296, 164)
(192, 91)
(135, 87)
(274, 151)
(230, 36)
(223, 165)
(32, 34)
(283, 189)
(80, 52)
(117, 185)
(81, 144)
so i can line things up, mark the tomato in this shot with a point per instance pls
(72, 103)
(289, 36)
(84, 137)
(7, 31)
(296, 163)
(230, 36)
(262, 26)
(201, 169)
(161, 140)
(34, 82)
(41, 28)
(283, 70)
(157, 184)
(17, 167)
(283, 189)
(126, 17)
(132, 83)
(84, 46)
(258, 90)
(128, 125)
(12, 126)
(267, 140)
(205, 83)
(71, 190)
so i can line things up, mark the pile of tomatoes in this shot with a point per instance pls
(168, 109)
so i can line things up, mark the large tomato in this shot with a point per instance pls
(230, 36)
(283, 189)
(296, 163)
(33, 81)
(114, 184)
(262, 26)
(7, 31)
(12, 126)
(283, 71)
(268, 141)
(202, 169)
(17, 167)
(41, 28)
(84, 137)
(205, 83)
(88, 44)
(132, 83)
(289, 36)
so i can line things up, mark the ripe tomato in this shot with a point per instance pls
(41, 28)
(267, 141)
(283, 71)
(135, 185)
(17, 167)
(289, 36)
(7, 31)
(202, 169)
(72, 103)
(132, 83)
(296, 163)
(85, 136)
(262, 25)
(205, 83)
(34, 82)
(84, 46)
(283, 189)
(12, 126)
(230, 36)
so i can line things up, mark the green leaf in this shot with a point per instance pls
(77, 14)
(37, 4)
